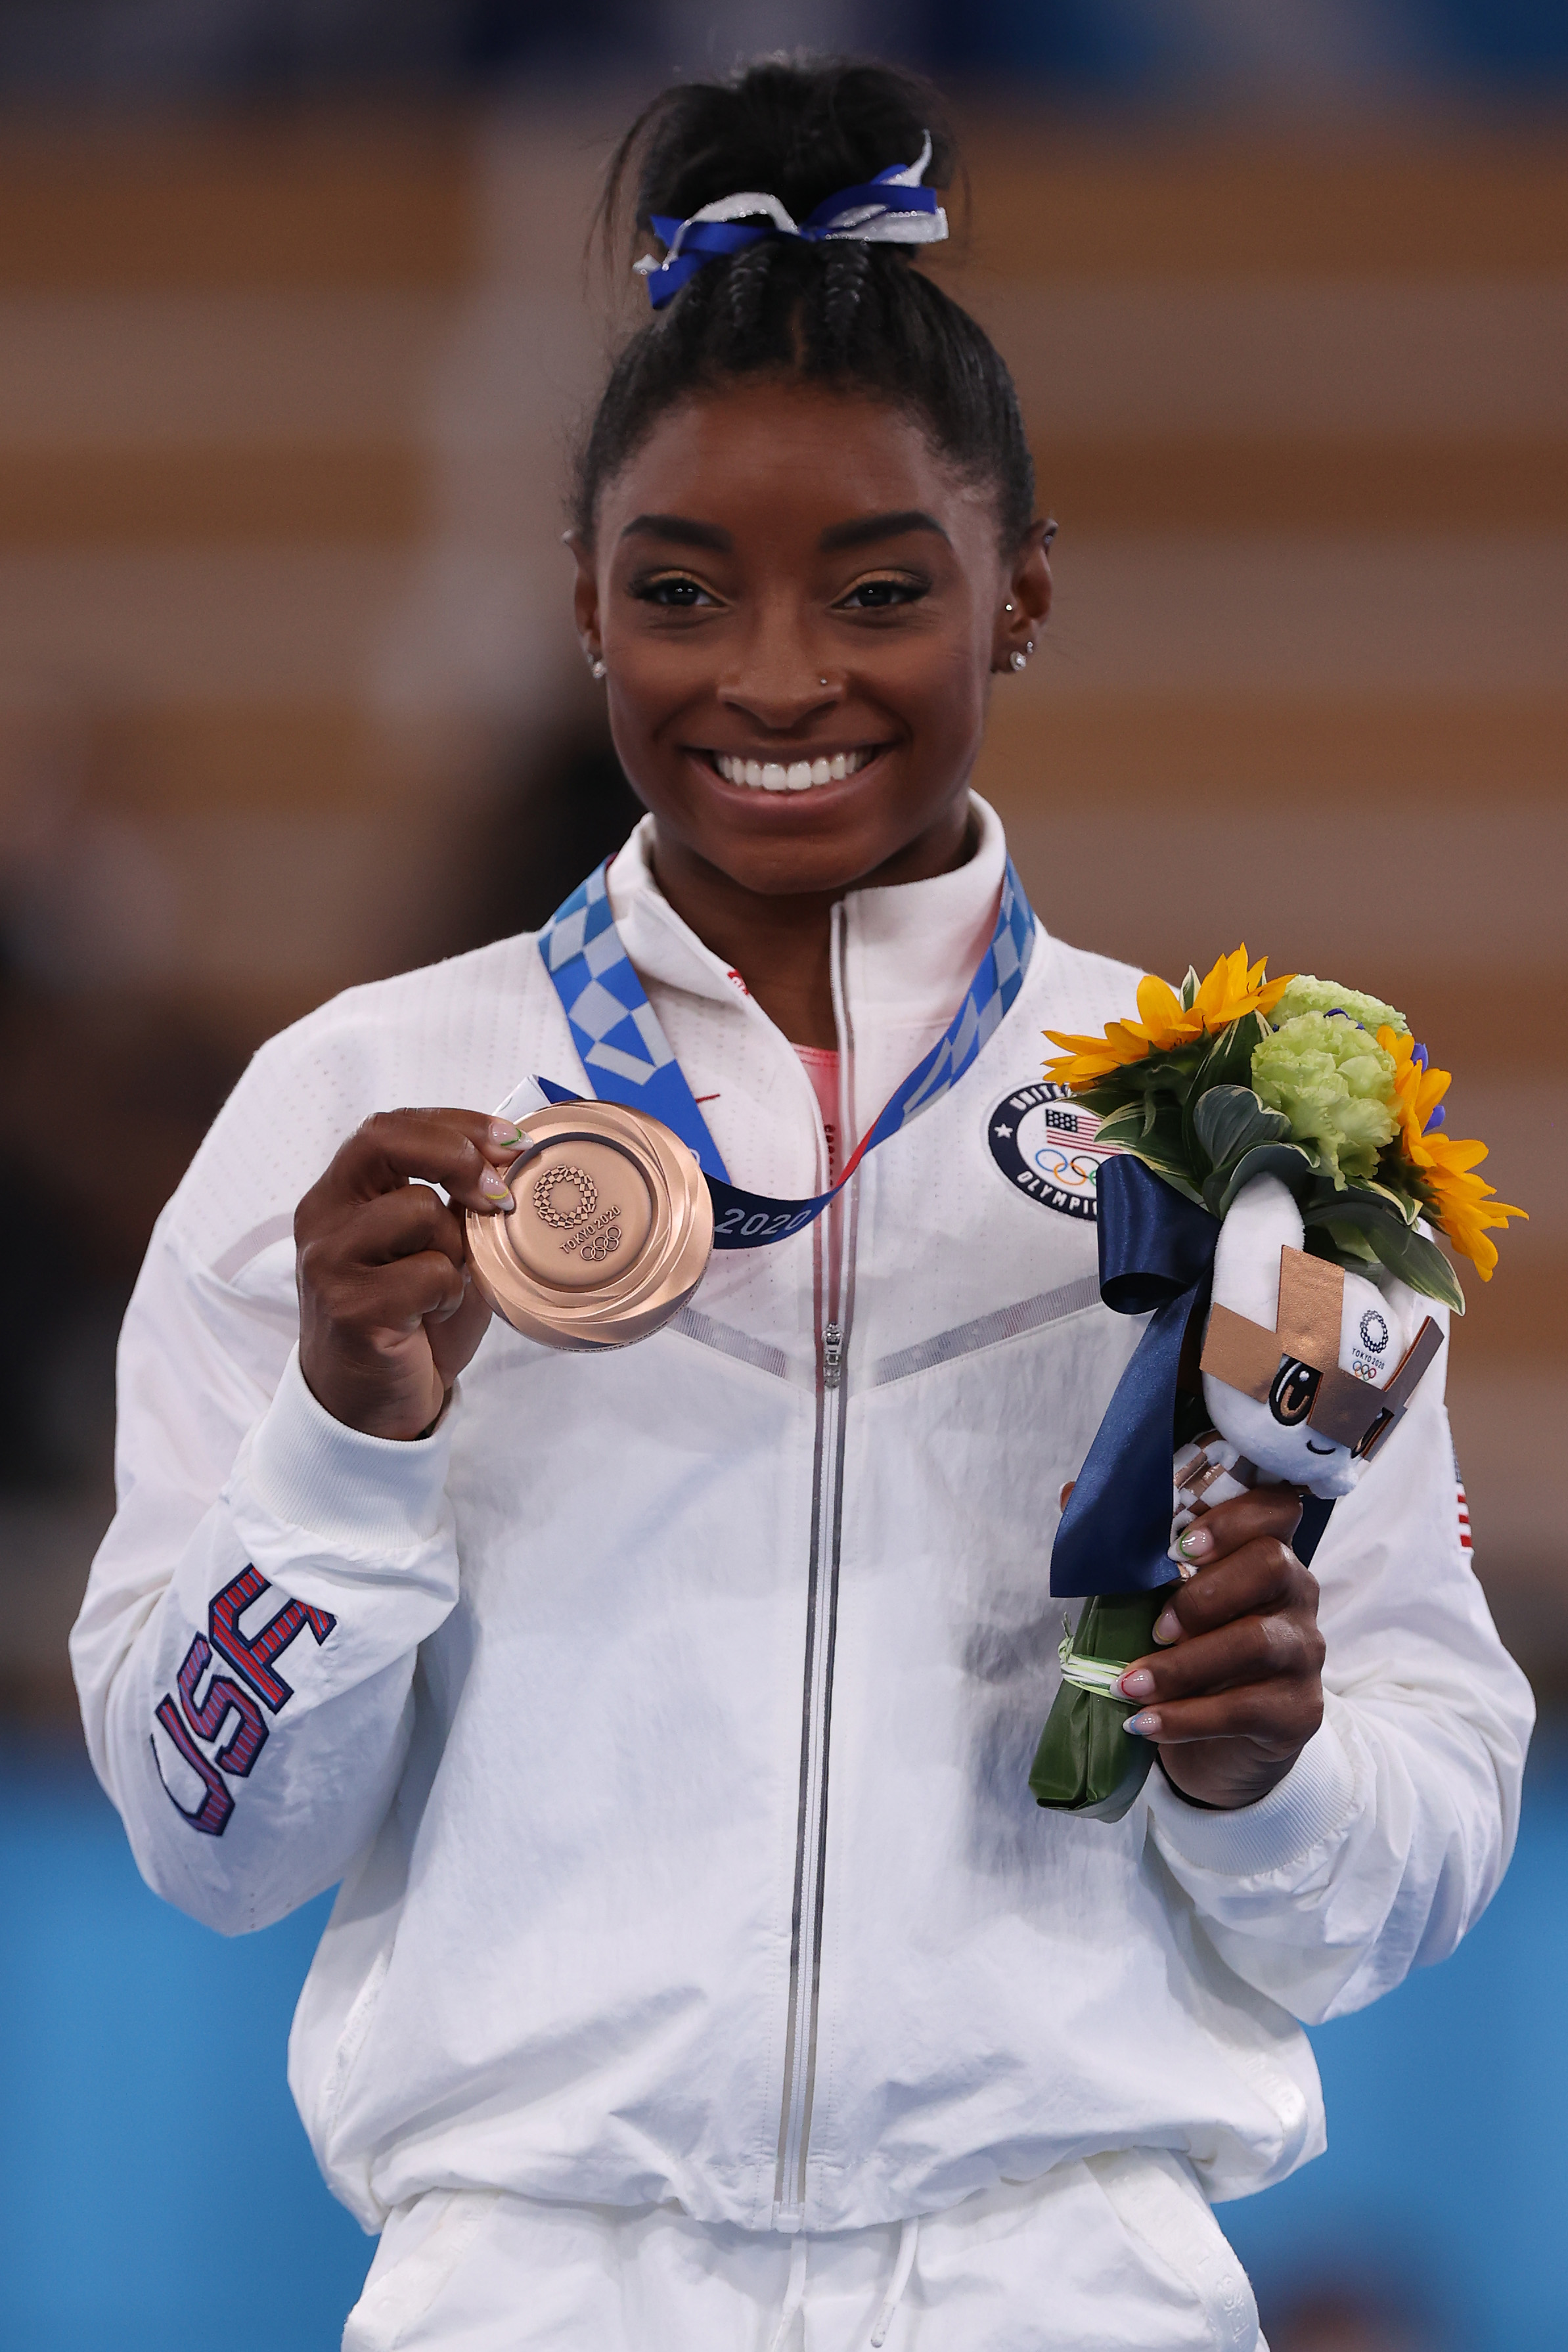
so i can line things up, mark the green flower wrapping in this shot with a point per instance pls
(1085, 1762)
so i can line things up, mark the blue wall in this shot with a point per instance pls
(1447, 2170)
(155, 2185)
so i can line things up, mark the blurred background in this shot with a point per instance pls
(295, 329)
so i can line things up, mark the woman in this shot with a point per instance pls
(701, 1972)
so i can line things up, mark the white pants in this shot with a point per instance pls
(1119, 2254)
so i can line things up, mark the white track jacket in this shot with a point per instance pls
(666, 1717)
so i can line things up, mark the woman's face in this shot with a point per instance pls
(799, 606)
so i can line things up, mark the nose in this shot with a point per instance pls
(779, 684)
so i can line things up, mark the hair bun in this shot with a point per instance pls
(843, 315)
(799, 129)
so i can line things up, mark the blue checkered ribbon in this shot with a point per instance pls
(630, 1060)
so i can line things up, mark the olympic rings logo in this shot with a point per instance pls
(1080, 1166)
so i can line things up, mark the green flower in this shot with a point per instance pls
(1333, 1082)
(1306, 994)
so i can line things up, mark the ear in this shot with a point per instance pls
(585, 597)
(1376, 1327)
(1262, 1219)
(1028, 595)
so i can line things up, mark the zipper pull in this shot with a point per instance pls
(832, 1355)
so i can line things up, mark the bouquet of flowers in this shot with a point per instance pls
(1303, 1128)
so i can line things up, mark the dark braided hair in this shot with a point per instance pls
(853, 316)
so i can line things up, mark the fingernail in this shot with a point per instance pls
(1143, 1727)
(1195, 1544)
(1167, 1626)
(505, 1130)
(1137, 1682)
(496, 1188)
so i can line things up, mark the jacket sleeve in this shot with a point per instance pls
(1385, 1842)
(246, 1650)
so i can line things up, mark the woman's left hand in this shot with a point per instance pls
(1235, 1693)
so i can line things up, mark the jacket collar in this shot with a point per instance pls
(910, 949)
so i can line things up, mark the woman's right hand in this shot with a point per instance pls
(389, 1314)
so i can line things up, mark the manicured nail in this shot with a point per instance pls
(505, 1130)
(496, 1188)
(1143, 1727)
(1137, 1682)
(1195, 1544)
(1167, 1626)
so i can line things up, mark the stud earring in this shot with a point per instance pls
(596, 666)
(1029, 645)
(1020, 661)
(1007, 608)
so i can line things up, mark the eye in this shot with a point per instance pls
(884, 593)
(676, 591)
(1294, 1387)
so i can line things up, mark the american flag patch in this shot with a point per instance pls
(1464, 1509)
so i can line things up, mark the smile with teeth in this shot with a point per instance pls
(798, 776)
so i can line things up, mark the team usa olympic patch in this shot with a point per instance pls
(1043, 1142)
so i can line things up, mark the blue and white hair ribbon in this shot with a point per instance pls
(629, 1059)
(891, 209)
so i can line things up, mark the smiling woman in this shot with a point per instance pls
(704, 1974)
(798, 600)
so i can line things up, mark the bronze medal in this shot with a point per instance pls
(609, 1234)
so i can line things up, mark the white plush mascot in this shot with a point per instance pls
(1306, 1368)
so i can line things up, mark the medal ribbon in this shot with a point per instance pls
(630, 1060)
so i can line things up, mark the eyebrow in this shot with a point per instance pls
(865, 529)
(680, 529)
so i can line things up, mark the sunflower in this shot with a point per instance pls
(1463, 1204)
(1233, 988)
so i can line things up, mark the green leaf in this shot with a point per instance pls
(1225, 1060)
(1169, 1171)
(1407, 1209)
(1351, 1245)
(1229, 1060)
(1230, 1120)
(1320, 1242)
(1123, 1126)
(1151, 1131)
(1354, 1208)
(1398, 1246)
(1106, 1095)
(1161, 1147)
(1294, 1163)
(1419, 1262)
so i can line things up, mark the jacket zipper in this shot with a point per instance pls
(835, 1295)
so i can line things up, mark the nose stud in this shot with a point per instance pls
(821, 681)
